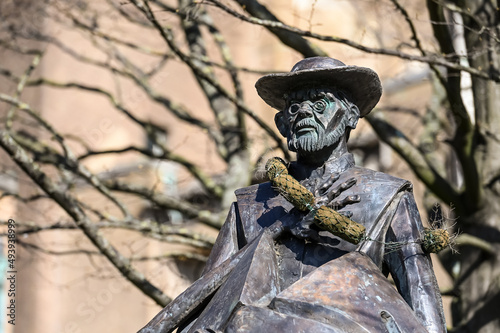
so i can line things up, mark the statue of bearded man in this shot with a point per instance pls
(307, 279)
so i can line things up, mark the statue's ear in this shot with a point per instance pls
(353, 116)
(281, 123)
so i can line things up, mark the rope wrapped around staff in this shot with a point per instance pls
(302, 199)
(434, 240)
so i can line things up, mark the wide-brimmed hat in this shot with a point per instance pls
(362, 83)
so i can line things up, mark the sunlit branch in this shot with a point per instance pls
(139, 74)
(164, 256)
(463, 139)
(168, 202)
(226, 55)
(23, 199)
(207, 181)
(174, 234)
(97, 33)
(414, 34)
(179, 255)
(454, 8)
(223, 109)
(169, 39)
(150, 128)
(20, 87)
(201, 20)
(433, 59)
(70, 158)
(415, 159)
(40, 249)
(415, 37)
(89, 153)
(289, 38)
(177, 110)
(20, 50)
(465, 239)
(42, 152)
(119, 7)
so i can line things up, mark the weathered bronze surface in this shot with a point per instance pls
(273, 270)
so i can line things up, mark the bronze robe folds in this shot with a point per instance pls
(293, 285)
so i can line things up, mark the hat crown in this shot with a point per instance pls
(317, 63)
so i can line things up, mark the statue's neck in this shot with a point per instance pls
(320, 157)
(314, 162)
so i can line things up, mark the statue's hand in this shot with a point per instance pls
(325, 194)
(299, 225)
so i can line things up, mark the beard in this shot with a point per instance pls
(317, 139)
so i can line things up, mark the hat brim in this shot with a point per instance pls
(362, 83)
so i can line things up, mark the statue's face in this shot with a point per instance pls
(314, 119)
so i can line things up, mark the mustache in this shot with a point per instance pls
(306, 122)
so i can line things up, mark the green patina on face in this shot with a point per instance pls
(321, 102)
(315, 118)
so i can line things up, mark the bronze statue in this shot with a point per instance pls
(273, 270)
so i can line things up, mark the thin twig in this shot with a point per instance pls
(20, 87)
(181, 235)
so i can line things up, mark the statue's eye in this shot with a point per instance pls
(293, 108)
(319, 106)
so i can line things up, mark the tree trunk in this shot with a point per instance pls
(478, 284)
(476, 308)
(229, 119)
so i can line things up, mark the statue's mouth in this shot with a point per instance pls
(305, 126)
(304, 130)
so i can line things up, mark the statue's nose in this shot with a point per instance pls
(305, 110)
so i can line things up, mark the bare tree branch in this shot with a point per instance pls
(433, 59)
(168, 255)
(166, 233)
(20, 88)
(424, 171)
(464, 134)
(69, 156)
(168, 37)
(71, 207)
(168, 202)
(150, 128)
(289, 38)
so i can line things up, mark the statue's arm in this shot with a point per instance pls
(225, 246)
(227, 241)
(411, 268)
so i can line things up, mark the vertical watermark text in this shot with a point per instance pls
(11, 272)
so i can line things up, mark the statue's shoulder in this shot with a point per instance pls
(252, 189)
(262, 194)
(259, 206)
(373, 179)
